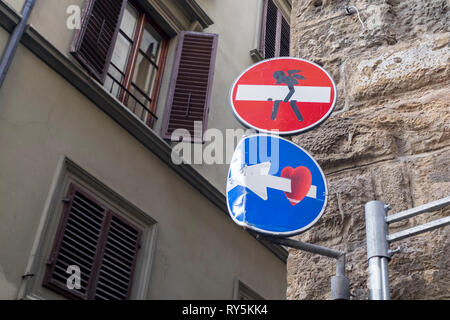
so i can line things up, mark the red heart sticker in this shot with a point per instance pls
(301, 180)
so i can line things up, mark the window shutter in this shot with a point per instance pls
(77, 243)
(94, 42)
(103, 245)
(285, 38)
(191, 83)
(270, 30)
(275, 33)
(119, 258)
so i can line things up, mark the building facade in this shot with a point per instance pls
(89, 190)
(388, 138)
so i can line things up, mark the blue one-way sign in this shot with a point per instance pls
(274, 186)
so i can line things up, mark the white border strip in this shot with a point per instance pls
(270, 93)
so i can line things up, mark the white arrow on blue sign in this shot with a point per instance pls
(274, 186)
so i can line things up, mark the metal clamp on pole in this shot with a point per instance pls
(340, 284)
(377, 249)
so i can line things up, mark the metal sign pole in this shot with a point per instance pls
(377, 249)
(248, 182)
(340, 284)
(378, 239)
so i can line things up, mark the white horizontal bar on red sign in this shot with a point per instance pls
(272, 93)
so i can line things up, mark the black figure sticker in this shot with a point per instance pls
(290, 80)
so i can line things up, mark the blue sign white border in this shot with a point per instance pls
(284, 133)
(280, 234)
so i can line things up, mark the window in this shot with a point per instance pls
(275, 33)
(125, 50)
(244, 292)
(191, 84)
(137, 61)
(101, 243)
(72, 189)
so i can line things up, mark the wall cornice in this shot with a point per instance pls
(196, 12)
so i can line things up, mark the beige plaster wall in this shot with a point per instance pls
(200, 251)
(238, 25)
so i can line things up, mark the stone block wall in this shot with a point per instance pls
(388, 139)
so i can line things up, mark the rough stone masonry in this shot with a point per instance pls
(388, 138)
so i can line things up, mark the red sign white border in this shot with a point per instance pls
(283, 133)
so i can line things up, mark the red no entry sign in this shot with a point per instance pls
(286, 94)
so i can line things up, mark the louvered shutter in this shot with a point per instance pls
(275, 34)
(101, 244)
(191, 83)
(285, 38)
(94, 42)
(77, 243)
(119, 257)
(270, 33)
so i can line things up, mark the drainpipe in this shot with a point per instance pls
(16, 36)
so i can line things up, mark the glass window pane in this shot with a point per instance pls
(123, 45)
(129, 21)
(112, 82)
(121, 53)
(135, 106)
(151, 42)
(145, 70)
(118, 66)
(144, 74)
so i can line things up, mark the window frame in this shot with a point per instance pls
(143, 18)
(262, 41)
(92, 283)
(68, 172)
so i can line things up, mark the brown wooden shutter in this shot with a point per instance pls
(77, 243)
(285, 38)
(101, 243)
(270, 30)
(275, 33)
(191, 83)
(116, 270)
(94, 42)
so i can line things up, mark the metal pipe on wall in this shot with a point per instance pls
(340, 284)
(14, 40)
